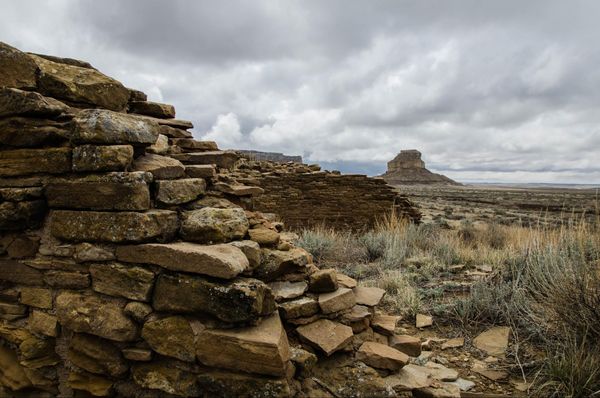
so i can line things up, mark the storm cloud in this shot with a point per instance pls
(498, 91)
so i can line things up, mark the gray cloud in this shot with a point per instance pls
(486, 90)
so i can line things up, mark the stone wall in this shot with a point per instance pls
(126, 268)
(270, 156)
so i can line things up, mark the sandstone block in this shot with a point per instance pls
(216, 383)
(385, 324)
(12, 310)
(299, 308)
(153, 109)
(381, 356)
(79, 85)
(238, 190)
(114, 279)
(323, 281)
(100, 126)
(95, 315)
(493, 341)
(423, 321)
(161, 167)
(119, 227)
(19, 273)
(85, 252)
(112, 191)
(339, 300)
(138, 311)
(22, 246)
(168, 376)
(208, 225)
(264, 236)
(370, 296)
(191, 144)
(303, 360)
(174, 192)
(12, 374)
(42, 323)
(201, 171)
(102, 158)
(97, 386)
(326, 335)
(172, 336)
(161, 146)
(17, 69)
(357, 313)
(407, 344)
(175, 132)
(21, 162)
(276, 263)
(67, 279)
(261, 349)
(222, 159)
(251, 249)
(221, 261)
(137, 354)
(96, 355)
(36, 297)
(15, 102)
(27, 132)
(241, 300)
(288, 290)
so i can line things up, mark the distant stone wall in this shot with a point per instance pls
(270, 156)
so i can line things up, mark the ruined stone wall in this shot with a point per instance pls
(127, 267)
(270, 156)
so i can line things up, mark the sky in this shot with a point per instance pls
(498, 91)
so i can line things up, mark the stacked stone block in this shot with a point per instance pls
(127, 266)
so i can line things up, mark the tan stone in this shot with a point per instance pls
(326, 335)
(137, 354)
(173, 192)
(441, 372)
(264, 236)
(153, 109)
(19, 273)
(80, 85)
(138, 311)
(238, 189)
(222, 159)
(276, 263)
(261, 349)
(21, 162)
(171, 336)
(287, 290)
(42, 323)
(217, 383)
(36, 297)
(493, 341)
(102, 158)
(119, 227)
(161, 167)
(437, 391)
(346, 281)
(409, 378)
(168, 376)
(161, 146)
(95, 315)
(23, 132)
(407, 344)
(12, 374)
(96, 355)
(189, 143)
(201, 171)
(220, 261)
(370, 296)
(14, 102)
(251, 249)
(385, 324)
(381, 356)
(95, 385)
(302, 307)
(211, 225)
(114, 279)
(453, 343)
(423, 321)
(17, 69)
(67, 279)
(339, 300)
(174, 132)
(323, 281)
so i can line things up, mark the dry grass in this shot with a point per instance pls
(545, 284)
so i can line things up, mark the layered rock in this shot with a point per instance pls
(407, 168)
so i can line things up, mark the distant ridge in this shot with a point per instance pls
(407, 168)
(270, 156)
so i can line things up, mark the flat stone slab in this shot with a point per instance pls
(381, 356)
(409, 377)
(299, 308)
(453, 343)
(423, 321)
(326, 335)
(100, 126)
(356, 314)
(370, 296)
(339, 300)
(385, 324)
(223, 159)
(493, 341)
(121, 227)
(346, 281)
(221, 261)
(21, 162)
(323, 281)
(174, 192)
(287, 290)
(261, 349)
(161, 167)
(407, 344)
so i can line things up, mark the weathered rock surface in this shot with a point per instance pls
(17, 272)
(222, 159)
(339, 300)
(326, 335)
(153, 109)
(381, 356)
(220, 261)
(323, 281)
(408, 168)
(191, 144)
(228, 384)
(407, 344)
(17, 69)
(112, 191)
(212, 225)
(264, 236)
(287, 290)
(174, 192)
(99, 126)
(95, 315)
(36, 297)
(251, 249)
(169, 376)
(44, 324)
(302, 307)
(14, 102)
(12, 373)
(370, 296)
(171, 336)
(493, 341)
(24, 132)
(161, 167)
(241, 300)
(261, 349)
(79, 85)
(120, 227)
(114, 279)
(276, 263)
(102, 158)
(95, 385)
(96, 355)
(200, 171)
(21, 162)
(385, 324)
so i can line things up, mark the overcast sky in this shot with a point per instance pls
(487, 90)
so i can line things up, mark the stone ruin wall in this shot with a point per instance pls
(127, 266)
(270, 156)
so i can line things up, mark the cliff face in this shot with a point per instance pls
(407, 168)
(131, 264)
(270, 156)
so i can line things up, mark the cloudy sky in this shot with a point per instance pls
(488, 90)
